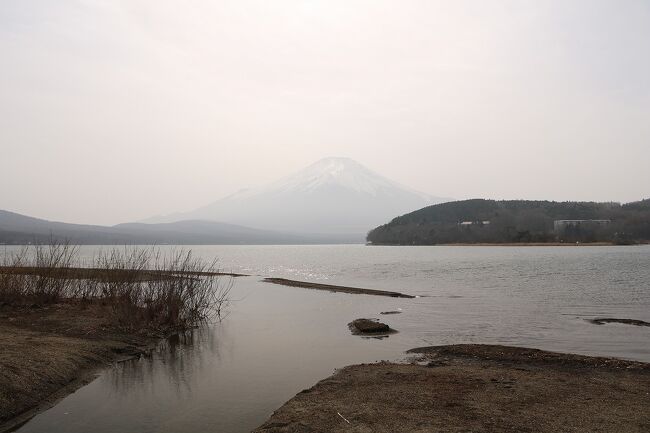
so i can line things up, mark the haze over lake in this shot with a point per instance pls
(434, 214)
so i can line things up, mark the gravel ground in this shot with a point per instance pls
(475, 388)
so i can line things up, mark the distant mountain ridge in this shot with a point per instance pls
(20, 229)
(333, 195)
(512, 221)
(335, 200)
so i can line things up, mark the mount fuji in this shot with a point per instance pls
(331, 196)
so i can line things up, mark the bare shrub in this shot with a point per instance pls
(175, 290)
(14, 286)
(53, 262)
(36, 274)
(142, 286)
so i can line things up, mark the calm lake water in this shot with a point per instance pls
(277, 340)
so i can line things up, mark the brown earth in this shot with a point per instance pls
(333, 288)
(605, 320)
(107, 274)
(475, 388)
(531, 244)
(47, 352)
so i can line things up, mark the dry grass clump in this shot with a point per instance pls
(143, 286)
(46, 287)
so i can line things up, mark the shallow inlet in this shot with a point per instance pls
(279, 340)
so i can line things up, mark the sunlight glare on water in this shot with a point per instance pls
(278, 340)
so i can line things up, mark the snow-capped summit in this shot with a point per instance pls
(333, 195)
(333, 171)
(344, 172)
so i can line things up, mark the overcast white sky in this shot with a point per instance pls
(113, 111)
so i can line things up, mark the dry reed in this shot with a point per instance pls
(142, 286)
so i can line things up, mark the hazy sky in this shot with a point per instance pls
(112, 111)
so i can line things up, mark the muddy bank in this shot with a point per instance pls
(48, 352)
(477, 388)
(605, 320)
(333, 288)
(109, 274)
(510, 244)
(532, 244)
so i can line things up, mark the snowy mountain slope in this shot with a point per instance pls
(343, 172)
(333, 195)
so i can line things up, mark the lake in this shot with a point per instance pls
(275, 341)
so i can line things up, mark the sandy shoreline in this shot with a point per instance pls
(48, 352)
(475, 388)
(533, 244)
(508, 244)
(51, 350)
(334, 288)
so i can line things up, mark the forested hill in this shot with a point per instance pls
(491, 221)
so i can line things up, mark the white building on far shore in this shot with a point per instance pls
(560, 225)
(474, 223)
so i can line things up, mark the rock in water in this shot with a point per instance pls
(368, 326)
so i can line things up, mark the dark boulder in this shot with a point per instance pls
(368, 326)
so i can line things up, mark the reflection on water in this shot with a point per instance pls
(176, 361)
(229, 376)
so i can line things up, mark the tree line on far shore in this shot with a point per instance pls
(518, 221)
